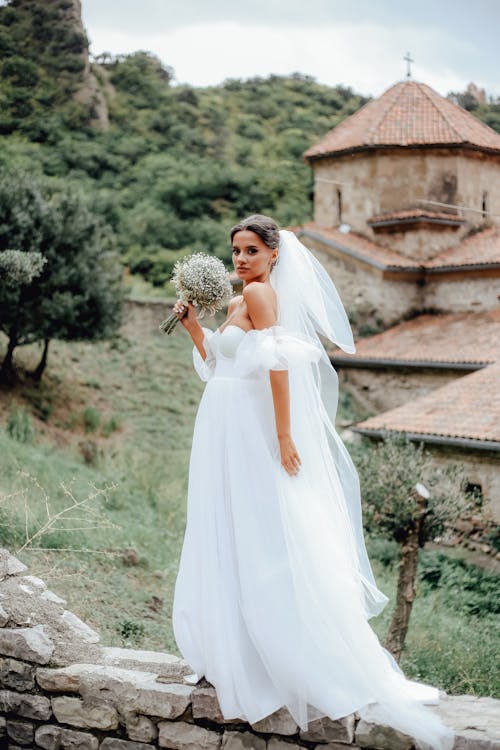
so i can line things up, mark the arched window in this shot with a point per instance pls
(339, 206)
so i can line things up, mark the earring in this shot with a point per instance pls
(274, 263)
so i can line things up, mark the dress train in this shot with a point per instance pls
(270, 604)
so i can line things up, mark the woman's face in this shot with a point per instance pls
(252, 258)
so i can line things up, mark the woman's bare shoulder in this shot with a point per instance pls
(259, 292)
(260, 299)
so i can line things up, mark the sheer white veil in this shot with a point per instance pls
(309, 303)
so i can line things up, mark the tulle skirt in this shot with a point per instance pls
(268, 605)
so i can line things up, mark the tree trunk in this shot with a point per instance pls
(407, 577)
(38, 372)
(7, 368)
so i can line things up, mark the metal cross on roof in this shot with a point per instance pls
(409, 61)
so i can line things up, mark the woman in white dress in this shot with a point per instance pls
(275, 589)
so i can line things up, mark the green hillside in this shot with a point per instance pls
(43, 48)
(169, 167)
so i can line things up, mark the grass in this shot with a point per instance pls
(444, 646)
(141, 418)
(131, 402)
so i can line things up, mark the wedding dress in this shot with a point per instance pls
(274, 588)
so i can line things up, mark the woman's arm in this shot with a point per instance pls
(290, 458)
(260, 309)
(191, 324)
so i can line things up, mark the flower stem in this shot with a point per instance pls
(168, 325)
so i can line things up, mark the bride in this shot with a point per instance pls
(275, 589)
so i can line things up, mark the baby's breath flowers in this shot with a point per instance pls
(203, 280)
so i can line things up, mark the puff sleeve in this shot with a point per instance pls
(205, 367)
(275, 348)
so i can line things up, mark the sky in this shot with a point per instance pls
(358, 43)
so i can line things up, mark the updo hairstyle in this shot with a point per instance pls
(265, 227)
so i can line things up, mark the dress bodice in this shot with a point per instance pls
(235, 353)
(225, 345)
(229, 339)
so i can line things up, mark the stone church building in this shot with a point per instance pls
(407, 222)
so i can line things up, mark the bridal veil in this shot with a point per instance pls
(334, 586)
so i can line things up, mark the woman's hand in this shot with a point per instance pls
(186, 312)
(290, 459)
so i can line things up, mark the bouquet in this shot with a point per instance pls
(203, 280)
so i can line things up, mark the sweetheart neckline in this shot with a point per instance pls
(231, 325)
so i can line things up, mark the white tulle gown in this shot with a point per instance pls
(268, 602)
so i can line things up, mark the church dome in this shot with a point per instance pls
(409, 114)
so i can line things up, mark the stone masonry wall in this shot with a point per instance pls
(375, 183)
(60, 690)
(387, 388)
(365, 289)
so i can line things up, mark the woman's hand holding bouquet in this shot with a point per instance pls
(202, 281)
(186, 313)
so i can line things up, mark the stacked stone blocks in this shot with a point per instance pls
(121, 699)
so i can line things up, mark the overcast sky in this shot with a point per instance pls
(360, 43)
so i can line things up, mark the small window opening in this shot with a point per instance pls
(484, 203)
(339, 206)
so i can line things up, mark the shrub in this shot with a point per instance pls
(466, 587)
(111, 425)
(11, 530)
(91, 419)
(20, 426)
(131, 631)
(386, 551)
(493, 537)
(42, 406)
(89, 451)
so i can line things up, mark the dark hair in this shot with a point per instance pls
(264, 226)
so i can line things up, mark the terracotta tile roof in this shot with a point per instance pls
(415, 213)
(464, 337)
(407, 114)
(467, 408)
(358, 246)
(481, 249)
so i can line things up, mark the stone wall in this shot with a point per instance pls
(376, 295)
(420, 243)
(383, 181)
(364, 289)
(144, 317)
(481, 468)
(61, 690)
(462, 292)
(381, 389)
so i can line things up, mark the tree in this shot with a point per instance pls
(77, 295)
(407, 497)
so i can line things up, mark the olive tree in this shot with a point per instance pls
(77, 294)
(407, 497)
